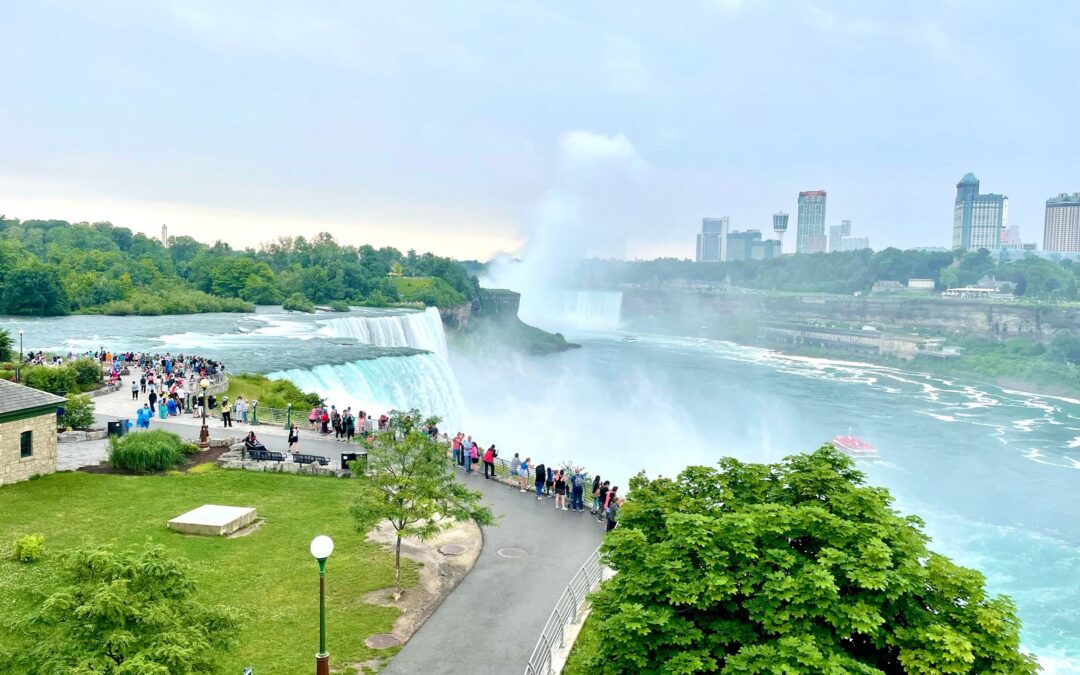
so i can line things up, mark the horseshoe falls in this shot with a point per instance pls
(418, 330)
(580, 310)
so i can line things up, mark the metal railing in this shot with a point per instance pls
(566, 611)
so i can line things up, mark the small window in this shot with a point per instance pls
(26, 444)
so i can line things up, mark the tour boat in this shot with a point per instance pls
(855, 447)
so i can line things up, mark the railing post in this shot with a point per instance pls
(288, 415)
(254, 412)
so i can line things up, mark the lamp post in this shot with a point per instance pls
(18, 376)
(204, 433)
(321, 548)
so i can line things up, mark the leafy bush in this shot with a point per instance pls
(87, 372)
(78, 413)
(29, 548)
(146, 451)
(55, 380)
(297, 302)
(340, 306)
(7, 374)
(431, 291)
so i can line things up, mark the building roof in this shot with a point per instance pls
(968, 179)
(16, 398)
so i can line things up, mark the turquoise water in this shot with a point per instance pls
(995, 473)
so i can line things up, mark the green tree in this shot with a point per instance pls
(78, 413)
(794, 567)
(126, 612)
(6, 352)
(34, 289)
(409, 483)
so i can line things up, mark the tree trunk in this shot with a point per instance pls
(397, 566)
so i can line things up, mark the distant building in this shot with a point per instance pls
(748, 245)
(27, 432)
(838, 232)
(978, 219)
(921, 285)
(779, 227)
(1062, 229)
(712, 242)
(810, 237)
(164, 236)
(852, 244)
(881, 287)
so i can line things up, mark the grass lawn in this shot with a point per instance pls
(269, 393)
(580, 661)
(269, 576)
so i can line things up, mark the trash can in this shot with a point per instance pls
(115, 428)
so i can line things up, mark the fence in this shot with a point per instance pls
(553, 637)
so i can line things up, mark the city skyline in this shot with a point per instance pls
(441, 128)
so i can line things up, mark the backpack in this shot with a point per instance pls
(577, 481)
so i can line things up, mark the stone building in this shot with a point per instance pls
(27, 432)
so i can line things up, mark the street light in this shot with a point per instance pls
(204, 433)
(321, 548)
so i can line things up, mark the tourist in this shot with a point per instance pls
(142, 384)
(613, 512)
(134, 390)
(474, 455)
(252, 443)
(226, 412)
(468, 457)
(550, 482)
(489, 462)
(455, 448)
(294, 438)
(523, 473)
(577, 489)
(602, 494)
(350, 425)
(335, 423)
(313, 417)
(324, 420)
(172, 405)
(153, 399)
(514, 464)
(541, 478)
(211, 404)
(595, 494)
(560, 490)
(241, 409)
(467, 447)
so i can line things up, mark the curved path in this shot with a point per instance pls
(492, 620)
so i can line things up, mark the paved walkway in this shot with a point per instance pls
(490, 623)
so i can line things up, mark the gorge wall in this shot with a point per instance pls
(736, 315)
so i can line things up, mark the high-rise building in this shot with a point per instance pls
(748, 245)
(850, 244)
(712, 242)
(164, 236)
(1062, 229)
(811, 223)
(978, 219)
(838, 232)
(779, 226)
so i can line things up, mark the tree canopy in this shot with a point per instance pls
(129, 612)
(52, 267)
(794, 567)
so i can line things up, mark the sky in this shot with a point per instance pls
(455, 127)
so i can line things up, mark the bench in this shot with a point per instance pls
(310, 459)
(265, 456)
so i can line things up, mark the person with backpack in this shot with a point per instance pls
(596, 494)
(577, 489)
(541, 478)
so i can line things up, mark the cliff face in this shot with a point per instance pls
(492, 304)
(491, 321)
(731, 314)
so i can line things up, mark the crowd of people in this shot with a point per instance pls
(170, 385)
(567, 482)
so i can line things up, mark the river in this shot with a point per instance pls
(994, 473)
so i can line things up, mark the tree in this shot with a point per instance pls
(794, 567)
(126, 612)
(409, 482)
(6, 352)
(78, 413)
(34, 289)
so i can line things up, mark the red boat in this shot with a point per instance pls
(855, 447)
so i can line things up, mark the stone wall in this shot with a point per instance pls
(14, 468)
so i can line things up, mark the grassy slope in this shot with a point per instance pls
(269, 393)
(268, 575)
(580, 661)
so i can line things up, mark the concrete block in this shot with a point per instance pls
(213, 520)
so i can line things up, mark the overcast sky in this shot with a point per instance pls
(444, 125)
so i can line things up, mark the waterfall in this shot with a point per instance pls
(419, 330)
(422, 381)
(581, 310)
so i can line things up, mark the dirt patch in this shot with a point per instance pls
(439, 573)
(200, 457)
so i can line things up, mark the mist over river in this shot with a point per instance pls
(994, 473)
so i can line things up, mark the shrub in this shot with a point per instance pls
(59, 381)
(87, 372)
(298, 303)
(340, 306)
(146, 451)
(78, 413)
(29, 548)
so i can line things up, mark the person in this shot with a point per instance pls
(172, 405)
(142, 384)
(560, 490)
(455, 447)
(467, 447)
(153, 399)
(226, 412)
(514, 464)
(605, 487)
(595, 494)
(294, 438)
(541, 478)
(241, 409)
(211, 404)
(613, 512)
(325, 420)
(523, 473)
(313, 417)
(335, 423)
(252, 443)
(134, 390)
(350, 425)
(577, 489)
(489, 463)
(550, 482)
(474, 455)
(468, 460)
(142, 417)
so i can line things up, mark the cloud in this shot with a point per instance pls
(584, 154)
